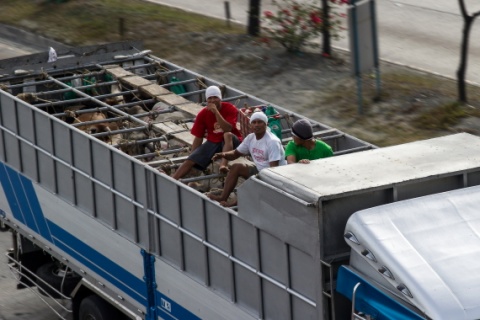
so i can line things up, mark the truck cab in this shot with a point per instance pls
(415, 259)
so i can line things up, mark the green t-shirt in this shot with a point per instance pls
(321, 150)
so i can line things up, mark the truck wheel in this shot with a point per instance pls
(53, 274)
(95, 308)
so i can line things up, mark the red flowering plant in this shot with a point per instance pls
(296, 23)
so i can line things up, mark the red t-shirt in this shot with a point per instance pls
(206, 122)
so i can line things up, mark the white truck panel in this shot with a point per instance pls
(111, 259)
(184, 293)
(379, 167)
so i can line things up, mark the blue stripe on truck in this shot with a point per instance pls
(34, 206)
(100, 264)
(26, 208)
(18, 190)
(22, 200)
(5, 178)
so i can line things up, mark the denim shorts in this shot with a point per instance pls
(202, 156)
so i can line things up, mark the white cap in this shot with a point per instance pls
(213, 91)
(259, 115)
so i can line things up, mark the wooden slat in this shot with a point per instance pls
(154, 90)
(173, 99)
(135, 81)
(190, 108)
(160, 94)
(170, 127)
(118, 72)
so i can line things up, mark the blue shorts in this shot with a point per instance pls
(202, 156)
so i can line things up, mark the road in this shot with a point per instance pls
(423, 34)
(23, 304)
(9, 49)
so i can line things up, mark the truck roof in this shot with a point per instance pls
(331, 177)
(429, 244)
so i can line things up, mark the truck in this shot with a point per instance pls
(101, 230)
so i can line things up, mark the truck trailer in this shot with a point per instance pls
(86, 145)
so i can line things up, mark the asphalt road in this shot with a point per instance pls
(9, 49)
(23, 304)
(423, 34)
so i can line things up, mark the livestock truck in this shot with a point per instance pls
(100, 228)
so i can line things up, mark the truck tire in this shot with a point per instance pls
(52, 274)
(95, 308)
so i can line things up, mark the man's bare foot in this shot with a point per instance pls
(215, 197)
(223, 169)
(228, 204)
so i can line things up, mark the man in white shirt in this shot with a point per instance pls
(263, 146)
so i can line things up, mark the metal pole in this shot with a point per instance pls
(356, 55)
(254, 18)
(121, 27)
(354, 295)
(327, 47)
(375, 48)
(227, 12)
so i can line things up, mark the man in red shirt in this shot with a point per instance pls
(218, 122)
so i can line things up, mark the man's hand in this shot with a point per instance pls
(212, 107)
(217, 156)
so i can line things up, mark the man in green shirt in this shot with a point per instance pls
(304, 147)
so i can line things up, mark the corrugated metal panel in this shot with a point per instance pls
(337, 176)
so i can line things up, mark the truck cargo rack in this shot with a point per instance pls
(62, 306)
(121, 94)
(106, 168)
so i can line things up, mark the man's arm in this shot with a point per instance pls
(230, 155)
(197, 142)
(275, 153)
(274, 163)
(291, 159)
(224, 124)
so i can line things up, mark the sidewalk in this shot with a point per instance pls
(216, 8)
(27, 39)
